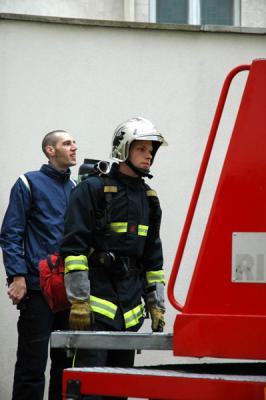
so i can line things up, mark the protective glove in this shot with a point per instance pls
(157, 318)
(81, 316)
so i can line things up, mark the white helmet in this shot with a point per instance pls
(134, 129)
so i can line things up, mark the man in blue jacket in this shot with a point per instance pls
(32, 228)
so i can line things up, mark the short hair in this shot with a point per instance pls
(50, 139)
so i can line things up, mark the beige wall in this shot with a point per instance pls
(96, 9)
(87, 79)
(253, 12)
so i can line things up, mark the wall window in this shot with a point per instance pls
(196, 12)
(172, 11)
(217, 12)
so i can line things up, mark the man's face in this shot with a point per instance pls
(64, 152)
(140, 153)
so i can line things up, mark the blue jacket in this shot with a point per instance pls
(34, 221)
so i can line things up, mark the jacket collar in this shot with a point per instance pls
(134, 183)
(51, 171)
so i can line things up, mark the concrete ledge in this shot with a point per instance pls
(130, 24)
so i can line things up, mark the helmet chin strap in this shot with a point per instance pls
(139, 171)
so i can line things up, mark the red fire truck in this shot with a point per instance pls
(224, 315)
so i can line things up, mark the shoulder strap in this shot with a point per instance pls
(108, 189)
(150, 193)
(53, 264)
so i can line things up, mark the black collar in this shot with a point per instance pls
(50, 170)
(134, 183)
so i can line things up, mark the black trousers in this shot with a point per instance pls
(35, 324)
(103, 358)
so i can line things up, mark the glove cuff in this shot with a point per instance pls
(77, 286)
(155, 295)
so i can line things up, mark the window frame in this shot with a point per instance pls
(194, 17)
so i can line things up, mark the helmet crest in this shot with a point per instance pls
(118, 139)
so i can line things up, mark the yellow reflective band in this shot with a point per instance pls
(155, 276)
(110, 189)
(76, 263)
(103, 307)
(151, 193)
(122, 227)
(119, 227)
(143, 230)
(132, 317)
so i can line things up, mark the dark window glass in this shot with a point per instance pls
(217, 12)
(172, 11)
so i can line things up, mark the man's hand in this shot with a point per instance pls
(157, 318)
(81, 316)
(17, 290)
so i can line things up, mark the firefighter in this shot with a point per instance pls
(112, 248)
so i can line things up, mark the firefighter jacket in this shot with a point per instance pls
(126, 225)
(33, 224)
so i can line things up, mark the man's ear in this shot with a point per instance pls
(50, 151)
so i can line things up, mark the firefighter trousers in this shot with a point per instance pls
(103, 358)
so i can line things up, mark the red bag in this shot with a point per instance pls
(52, 282)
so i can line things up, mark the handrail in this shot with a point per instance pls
(198, 185)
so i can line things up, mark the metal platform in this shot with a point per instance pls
(111, 340)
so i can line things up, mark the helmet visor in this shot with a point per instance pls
(153, 138)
